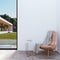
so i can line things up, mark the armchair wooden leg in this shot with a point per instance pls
(48, 53)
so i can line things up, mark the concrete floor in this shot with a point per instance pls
(5, 43)
(19, 55)
(7, 46)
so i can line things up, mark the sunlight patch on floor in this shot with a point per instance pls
(4, 54)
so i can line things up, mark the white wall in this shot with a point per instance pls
(58, 23)
(35, 18)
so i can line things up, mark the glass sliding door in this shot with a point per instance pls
(8, 24)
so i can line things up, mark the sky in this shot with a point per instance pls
(8, 7)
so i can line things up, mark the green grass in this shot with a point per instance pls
(8, 36)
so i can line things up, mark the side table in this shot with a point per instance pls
(36, 48)
(27, 47)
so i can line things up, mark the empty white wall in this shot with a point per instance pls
(35, 18)
(58, 23)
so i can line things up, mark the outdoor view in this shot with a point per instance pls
(8, 24)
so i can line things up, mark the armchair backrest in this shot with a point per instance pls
(54, 40)
(50, 38)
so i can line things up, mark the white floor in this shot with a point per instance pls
(4, 54)
(21, 55)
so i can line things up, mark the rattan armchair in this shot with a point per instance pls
(52, 45)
